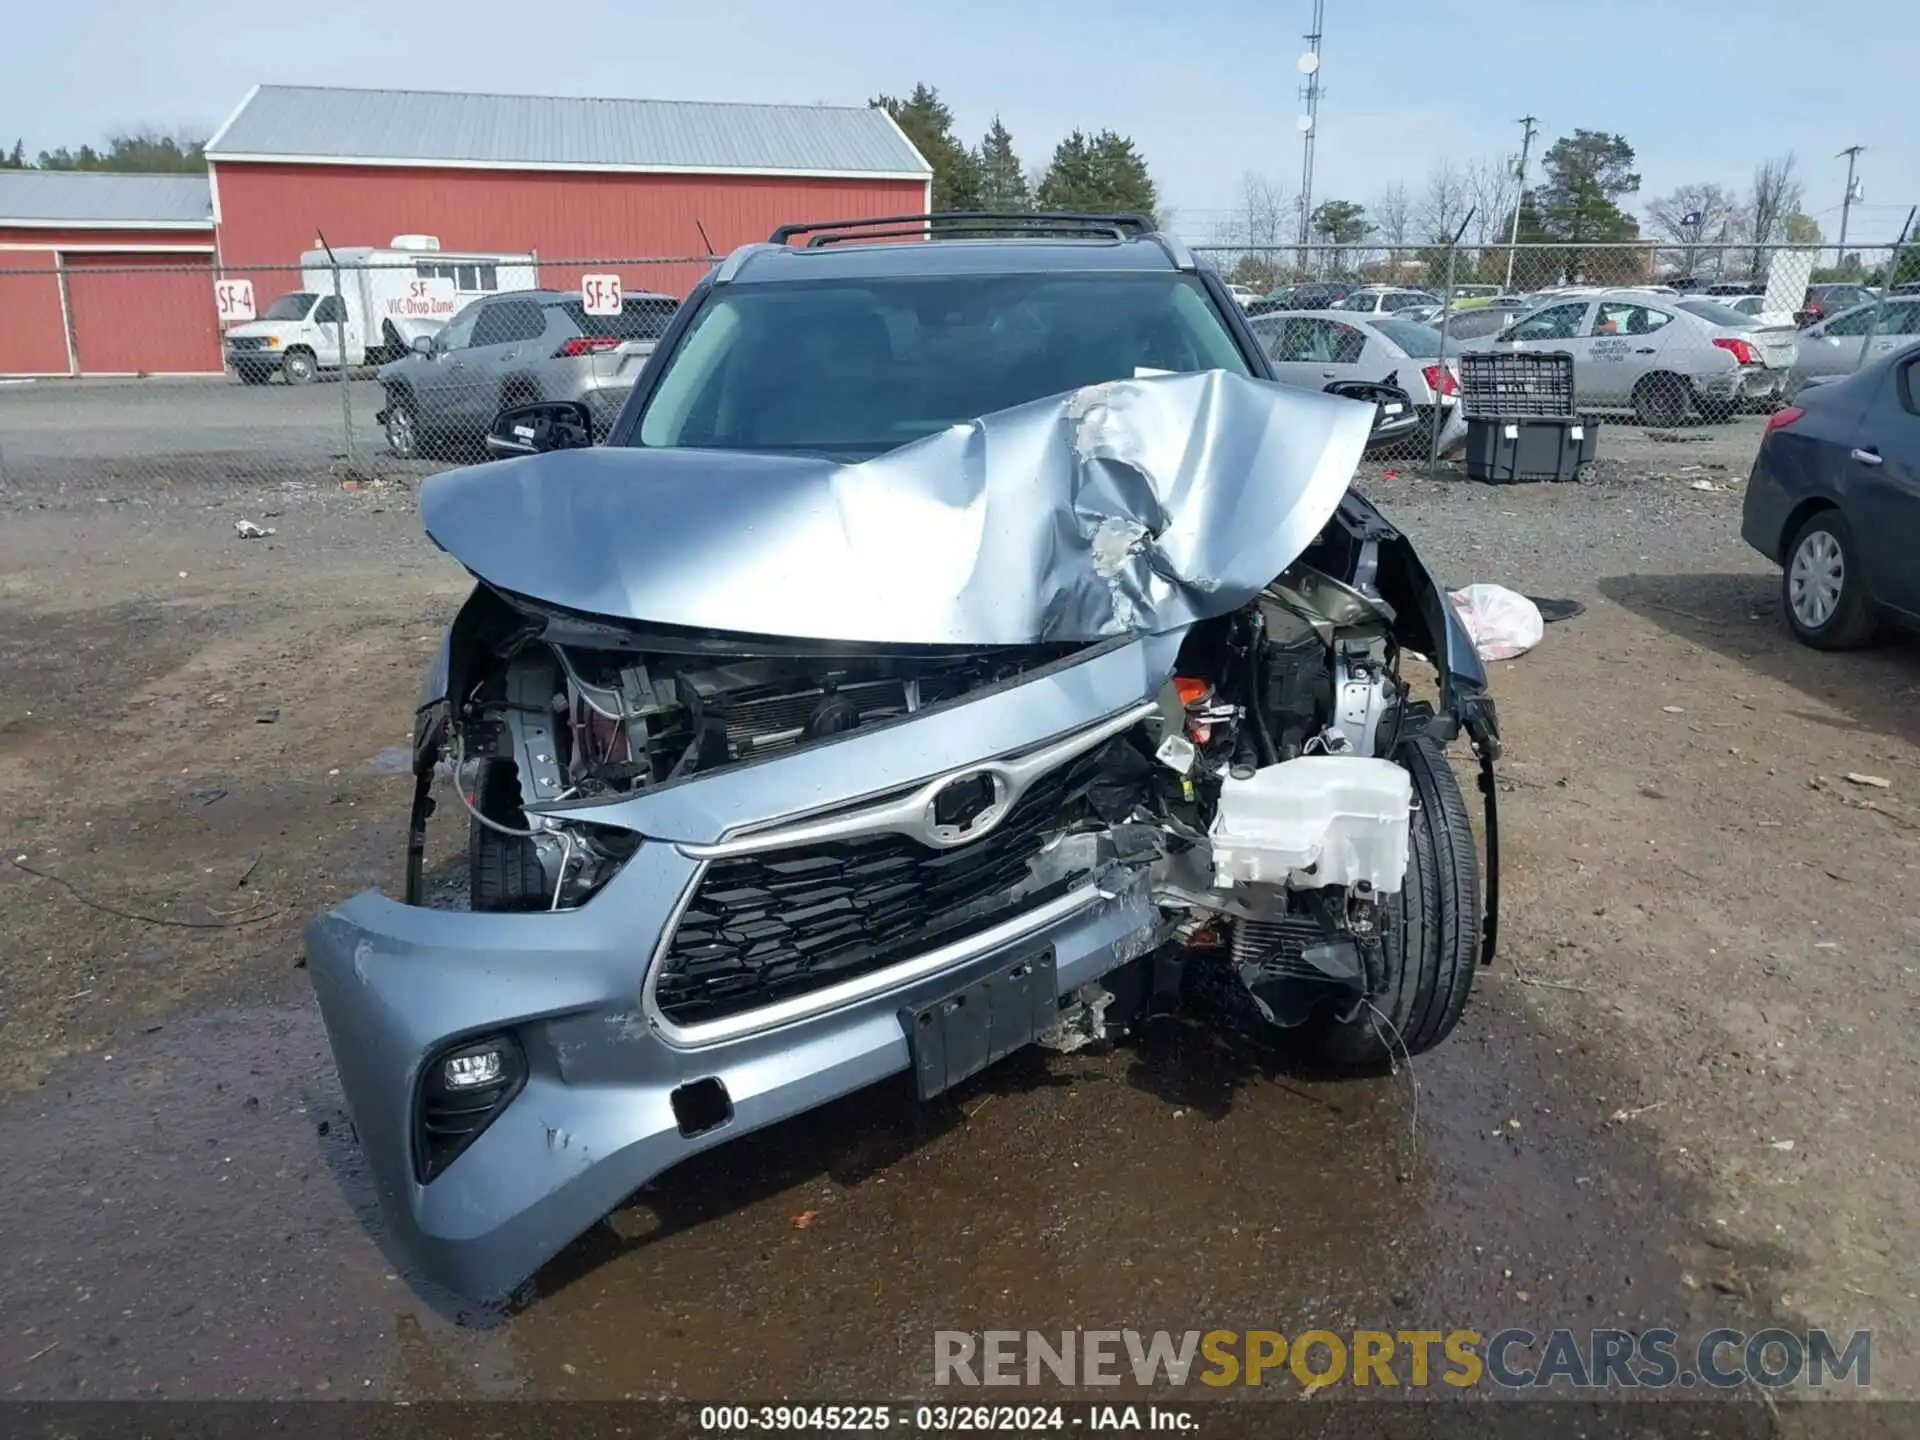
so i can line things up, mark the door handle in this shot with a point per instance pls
(1867, 457)
(509, 354)
(1329, 374)
(456, 364)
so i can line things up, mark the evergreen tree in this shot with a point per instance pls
(926, 121)
(1003, 184)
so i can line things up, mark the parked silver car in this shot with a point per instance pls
(1832, 347)
(1315, 348)
(1641, 351)
(511, 349)
(953, 646)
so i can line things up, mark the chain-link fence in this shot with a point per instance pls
(118, 372)
(1660, 338)
(397, 367)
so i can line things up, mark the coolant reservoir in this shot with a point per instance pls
(1319, 820)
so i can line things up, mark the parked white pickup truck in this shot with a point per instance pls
(383, 297)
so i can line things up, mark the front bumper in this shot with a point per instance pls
(399, 984)
(595, 1120)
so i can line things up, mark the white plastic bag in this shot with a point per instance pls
(1502, 622)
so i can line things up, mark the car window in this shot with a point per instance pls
(506, 321)
(290, 307)
(858, 367)
(1271, 332)
(1717, 314)
(330, 311)
(457, 333)
(1852, 322)
(1365, 304)
(1899, 319)
(1562, 322)
(1614, 317)
(1421, 342)
(641, 317)
(1910, 385)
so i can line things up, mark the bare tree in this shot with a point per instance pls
(1260, 224)
(1444, 203)
(1393, 220)
(1691, 216)
(1776, 194)
(1493, 189)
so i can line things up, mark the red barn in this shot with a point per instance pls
(567, 179)
(113, 274)
(106, 274)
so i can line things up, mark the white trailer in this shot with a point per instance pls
(381, 296)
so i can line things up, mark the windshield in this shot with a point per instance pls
(1421, 342)
(290, 307)
(859, 367)
(1717, 313)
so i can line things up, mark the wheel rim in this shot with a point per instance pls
(298, 368)
(1816, 578)
(400, 437)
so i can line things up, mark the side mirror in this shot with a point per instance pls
(537, 428)
(424, 344)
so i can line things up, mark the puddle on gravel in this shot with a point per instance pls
(187, 1214)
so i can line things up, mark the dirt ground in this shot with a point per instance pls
(1685, 1093)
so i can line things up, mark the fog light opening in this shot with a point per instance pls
(702, 1106)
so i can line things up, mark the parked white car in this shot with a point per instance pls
(384, 297)
(1383, 300)
(1243, 294)
(1755, 305)
(1633, 349)
(1315, 348)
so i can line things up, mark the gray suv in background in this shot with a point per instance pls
(513, 349)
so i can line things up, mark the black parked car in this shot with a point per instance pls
(1825, 300)
(1835, 501)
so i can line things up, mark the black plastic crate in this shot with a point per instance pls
(1517, 385)
(1503, 451)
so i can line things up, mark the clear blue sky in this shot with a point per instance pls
(1208, 89)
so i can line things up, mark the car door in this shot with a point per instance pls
(508, 353)
(1624, 341)
(329, 316)
(1832, 347)
(1558, 327)
(1898, 324)
(1884, 485)
(476, 389)
(442, 382)
(1317, 351)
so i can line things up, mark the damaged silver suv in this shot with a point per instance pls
(956, 644)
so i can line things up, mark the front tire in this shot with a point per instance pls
(1431, 933)
(1822, 591)
(297, 367)
(403, 427)
(503, 871)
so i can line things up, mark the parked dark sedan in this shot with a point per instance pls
(1835, 501)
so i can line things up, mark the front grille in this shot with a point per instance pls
(764, 928)
(246, 342)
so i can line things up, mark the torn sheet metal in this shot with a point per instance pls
(1138, 506)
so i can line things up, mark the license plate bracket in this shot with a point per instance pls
(960, 1034)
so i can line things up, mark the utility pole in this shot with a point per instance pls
(1531, 124)
(1852, 152)
(1309, 66)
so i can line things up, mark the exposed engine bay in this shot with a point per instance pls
(1258, 790)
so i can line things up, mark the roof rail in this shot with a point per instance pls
(1026, 222)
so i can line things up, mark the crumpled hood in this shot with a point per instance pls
(1138, 506)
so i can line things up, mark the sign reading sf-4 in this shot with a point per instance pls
(233, 300)
(600, 294)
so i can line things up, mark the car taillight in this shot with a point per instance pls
(1741, 350)
(1780, 419)
(1440, 380)
(586, 345)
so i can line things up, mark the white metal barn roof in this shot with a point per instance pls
(325, 125)
(103, 199)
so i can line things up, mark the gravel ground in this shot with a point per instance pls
(1685, 1093)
